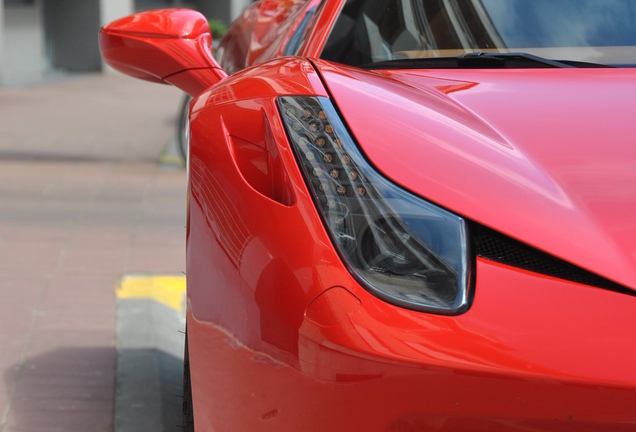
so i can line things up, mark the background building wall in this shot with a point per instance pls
(23, 42)
(72, 36)
(1, 39)
(110, 10)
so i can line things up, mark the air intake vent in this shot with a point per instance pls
(497, 247)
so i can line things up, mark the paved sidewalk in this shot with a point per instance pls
(150, 342)
(82, 202)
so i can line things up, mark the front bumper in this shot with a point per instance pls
(533, 353)
(283, 338)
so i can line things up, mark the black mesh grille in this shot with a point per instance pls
(497, 247)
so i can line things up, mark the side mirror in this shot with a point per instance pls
(172, 46)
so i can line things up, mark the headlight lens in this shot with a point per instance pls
(402, 248)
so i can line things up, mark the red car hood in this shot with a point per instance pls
(546, 156)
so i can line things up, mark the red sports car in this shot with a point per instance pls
(406, 215)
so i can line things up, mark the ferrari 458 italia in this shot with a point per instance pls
(405, 215)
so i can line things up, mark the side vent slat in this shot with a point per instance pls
(258, 160)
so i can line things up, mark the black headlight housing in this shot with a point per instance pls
(400, 247)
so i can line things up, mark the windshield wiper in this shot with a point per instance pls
(480, 60)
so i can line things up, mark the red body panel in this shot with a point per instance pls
(283, 338)
(510, 363)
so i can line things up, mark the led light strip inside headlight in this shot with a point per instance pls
(402, 248)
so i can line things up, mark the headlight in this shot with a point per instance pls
(402, 248)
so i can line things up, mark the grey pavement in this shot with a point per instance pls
(150, 342)
(83, 201)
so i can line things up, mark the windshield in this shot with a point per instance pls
(597, 31)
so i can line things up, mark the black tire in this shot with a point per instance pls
(186, 410)
(182, 128)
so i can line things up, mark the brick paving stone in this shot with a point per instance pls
(82, 202)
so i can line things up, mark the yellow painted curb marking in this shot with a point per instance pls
(167, 290)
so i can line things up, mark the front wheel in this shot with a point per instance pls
(183, 129)
(186, 411)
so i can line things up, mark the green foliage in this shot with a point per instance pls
(217, 28)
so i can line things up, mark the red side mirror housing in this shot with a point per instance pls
(171, 46)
